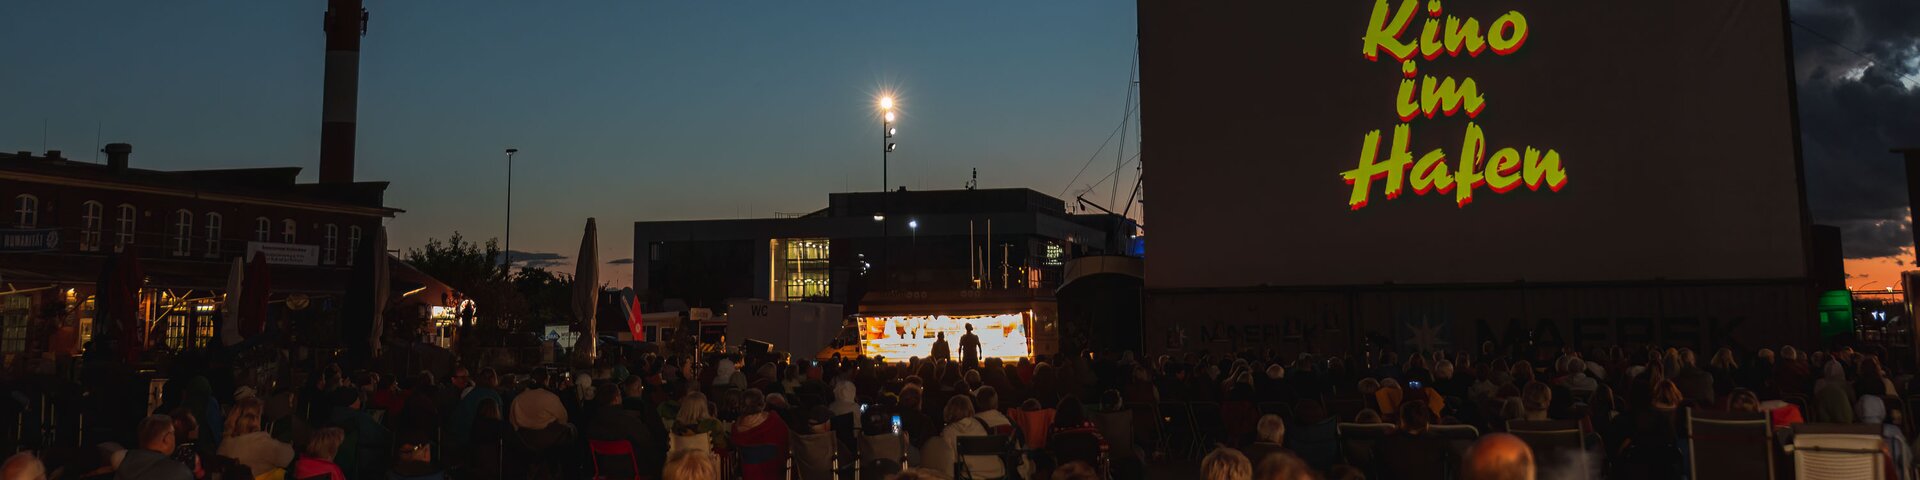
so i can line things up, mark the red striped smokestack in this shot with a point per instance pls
(346, 21)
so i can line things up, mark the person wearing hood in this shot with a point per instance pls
(1873, 411)
(197, 398)
(150, 461)
(1833, 395)
(642, 429)
(371, 441)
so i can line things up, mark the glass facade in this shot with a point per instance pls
(804, 268)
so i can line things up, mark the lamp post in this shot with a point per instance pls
(509, 234)
(886, 148)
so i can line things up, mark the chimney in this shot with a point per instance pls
(345, 23)
(54, 155)
(117, 156)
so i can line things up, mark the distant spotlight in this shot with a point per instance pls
(890, 132)
(889, 115)
(886, 103)
(879, 218)
(891, 145)
(913, 224)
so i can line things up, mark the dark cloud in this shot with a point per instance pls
(1854, 61)
(621, 261)
(537, 259)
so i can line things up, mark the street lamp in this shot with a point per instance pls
(509, 234)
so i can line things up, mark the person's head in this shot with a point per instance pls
(633, 386)
(1498, 456)
(1666, 395)
(939, 336)
(1789, 353)
(958, 408)
(1764, 354)
(325, 443)
(1537, 397)
(1367, 416)
(693, 409)
(1282, 466)
(185, 426)
(986, 399)
(1111, 400)
(777, 401)
(752, 402)
(608, 394)
(1368, 385)
(1513, 409)
(1226, 464)
(1272, 429)
(1075, 470)
(1414, 416)
(23, 466)
(488, 377)
(1443, 370)
(1743, 400)
(538, 378)
(1723, 359)
(969, 328)
(911, 396)
(488, 409)
(156, 433)
(462, 378)
(244, 417)
(689, 464)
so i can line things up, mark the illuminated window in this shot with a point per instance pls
(29, 210)
(353, 243)
(262, 230)
(92, 221)
(331, 252)
(14, 312)
(182, 233)
(86, 321)
(805, 268)
(123, 231)
(213, 234)
(289, 231)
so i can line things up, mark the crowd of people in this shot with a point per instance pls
(1077, 416)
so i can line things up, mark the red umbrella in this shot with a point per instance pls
(253, 296)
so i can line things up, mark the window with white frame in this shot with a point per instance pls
(331, 252)
(28, 209)
(262, 230)
(93, 219)
(123, 230)
(353, 243)
(182, 233)
(213, 234)
(289, 231)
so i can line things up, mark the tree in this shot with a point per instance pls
(474, 269)
(549, 295)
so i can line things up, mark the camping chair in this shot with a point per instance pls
(813, 455)
(1838, 451)
(1460, 437)
(1117, 427)
(1208, 425)
(1178, 429)
(1357, 440)
(1553, 439)
(1000, 447)
(1728, 445)
(613, 448)
(882, 455)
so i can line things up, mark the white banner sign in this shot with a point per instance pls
(285, 253)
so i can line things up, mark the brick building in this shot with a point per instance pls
(62, 218)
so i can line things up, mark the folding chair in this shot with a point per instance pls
(1208, 425)
(1178, 428)
(1838, 451)
(997, 446)
(613, 448)
(1728, 444)
(1460, 437)
(1551, 439)
(1357, 441)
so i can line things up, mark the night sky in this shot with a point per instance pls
(661, 110)
(624, 111)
